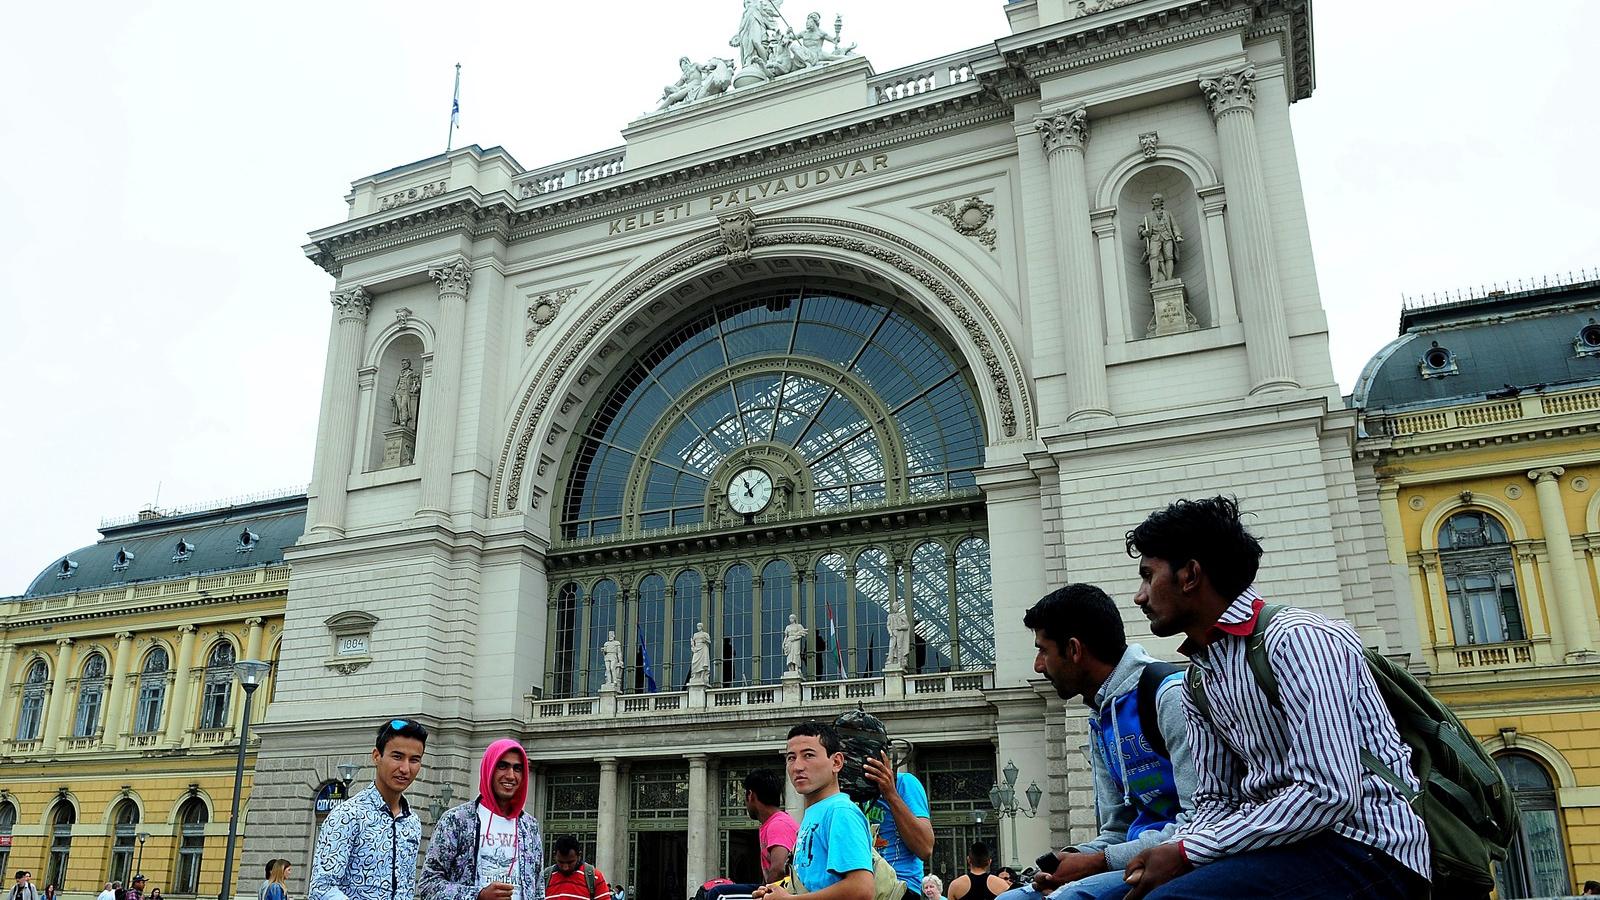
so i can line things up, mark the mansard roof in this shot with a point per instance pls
(146, 547)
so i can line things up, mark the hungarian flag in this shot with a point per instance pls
(833, 638)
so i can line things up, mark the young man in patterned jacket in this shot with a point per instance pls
(367, 847)
(488, 849)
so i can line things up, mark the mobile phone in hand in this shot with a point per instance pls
(1047, 862)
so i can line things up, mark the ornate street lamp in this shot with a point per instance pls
(139, 866)
(1004, 801)
(347, 774)
(441, 802)
(251, 673)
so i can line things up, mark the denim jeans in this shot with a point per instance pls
(1108, 885)
(1323, 866)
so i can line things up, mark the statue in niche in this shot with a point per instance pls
(1161, 236)
(810, 47)
(700, 655)
(611, 652)
(407, 396)
(794, 644)
(899, 637)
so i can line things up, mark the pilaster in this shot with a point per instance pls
(177, 710)
(337, 434)
(59, 710)
(1570, 598)
(116, 690)
(441, 404)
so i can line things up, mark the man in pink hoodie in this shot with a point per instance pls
(488, 849)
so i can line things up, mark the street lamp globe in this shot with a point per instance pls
(347, 772)
(251, 672)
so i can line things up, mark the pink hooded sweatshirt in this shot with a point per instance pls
(491, 757)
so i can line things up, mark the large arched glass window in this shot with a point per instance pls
(688, 598)
(603, 610)
(191, 846)
(91, 690)
(831, 616)
(8, 821)
(218, 686)
(1537, 863)
(567, 627)
(777, 592)
(872, 613)
(152, 693)
(930, 595)
(650, 633)
(62, 818)
(123, 835)
(30, 721)
(1479, 579)
(821, 376)
(974, 606)
(737, 619)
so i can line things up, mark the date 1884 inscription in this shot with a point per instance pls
(722, 201)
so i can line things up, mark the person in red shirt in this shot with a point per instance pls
(571, 878)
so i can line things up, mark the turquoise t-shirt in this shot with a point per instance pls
(890, 846)
(833, 840)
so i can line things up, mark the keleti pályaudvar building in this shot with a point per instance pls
(797, 400)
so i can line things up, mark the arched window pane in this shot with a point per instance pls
(688, 600)
(974, 605)
(872, 613)
(61, 821)
(30, 718)
(123, 837)
(191, 847)
(1536, 865)
(1480, 580)
(737, 622)
(930, 593)
(829, 612)
(602, 621)
(777, 589)
(8, 821)
(91, 691)
(566, 625)
(152, 693)
(649, 634)
(218, 688)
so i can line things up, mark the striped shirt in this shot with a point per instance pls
(1269, 776)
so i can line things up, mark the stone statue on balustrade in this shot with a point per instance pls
(1161, 236)
(810, 47)
(899, 637)
(611, 652)
(794, 644)
(697, 82)
(758, 21)
(700, 655)
(407, 396)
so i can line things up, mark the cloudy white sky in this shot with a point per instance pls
(163, 162)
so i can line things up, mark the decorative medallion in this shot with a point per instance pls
(971, 217)
(403, 315)
(544, 309)
(1417, 503)
(1147, 144)
(737, 230)
(1580, 484)
(1513, 491)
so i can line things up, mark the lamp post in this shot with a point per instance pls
(251, 673)
(347, 774)
(1004, 801)
(440, 802)
(139, 866)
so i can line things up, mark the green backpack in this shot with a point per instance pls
(1465, 803)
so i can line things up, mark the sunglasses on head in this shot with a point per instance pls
(397, 724)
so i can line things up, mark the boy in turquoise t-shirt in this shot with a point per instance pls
(833, 856)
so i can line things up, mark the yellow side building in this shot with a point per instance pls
(1480, 448)
(120, 707)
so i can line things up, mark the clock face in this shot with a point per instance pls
(749, 491)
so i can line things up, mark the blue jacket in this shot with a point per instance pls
(363, 853)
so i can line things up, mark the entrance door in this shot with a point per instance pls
(744, 860)
(661, 874)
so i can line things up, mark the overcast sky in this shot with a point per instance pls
(163, 162)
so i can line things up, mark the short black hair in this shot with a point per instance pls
(405, 728)
(823, 732)
(568, 844)
(1592, 886)
(21, 873)
(1080, 611)
(1208, 531)
(979, 853)
(767, 785)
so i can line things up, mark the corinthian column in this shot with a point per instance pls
(1082, 314)
(336, 437)
(115, 688)
(441, 401)
(60, 709)
(1232, 97)
(178, 703)
(1569, 600)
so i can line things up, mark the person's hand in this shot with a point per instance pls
(881, 773)
(771, 892)
(495, 890)
(1155, 867)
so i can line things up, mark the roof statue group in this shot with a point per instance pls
(765, 52)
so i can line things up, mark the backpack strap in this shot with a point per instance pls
(1255, 655)
(1150, 681)
(588, 878)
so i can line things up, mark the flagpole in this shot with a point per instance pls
(455, 112)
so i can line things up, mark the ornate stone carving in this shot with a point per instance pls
(766, 51)
(794, 644)
(453, 277)
(1549, 474)
(1081, 8)
(354, 303)
(1230, 91)
(405, 400)
(700, 655)
(697, 82)
(413, 195)
(611, 653)
(971, 217)
(1063, 130)
(899, 636)
(1161, 235)
(1148, 143)
(737, 230)
(544, 309)
(403, 315)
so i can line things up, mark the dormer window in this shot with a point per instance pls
(1587, 343)
(247, 541)
(1438, 362)
(182, 551)
(67, 567)
(122, 559)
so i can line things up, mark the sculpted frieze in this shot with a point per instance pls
(413, 195)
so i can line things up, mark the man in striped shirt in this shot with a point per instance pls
(1283, 806)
